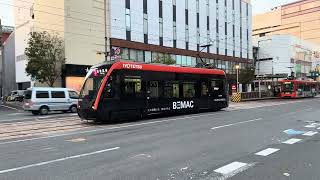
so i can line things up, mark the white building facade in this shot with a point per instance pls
(139, 30)
(284, 54)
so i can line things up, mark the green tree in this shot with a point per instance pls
(246, 76)
(164, 59)
(45, 56)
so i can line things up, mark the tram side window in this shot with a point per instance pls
(300, 87)
(307, 87)
(132, 87)
(204, 89)
(188, 90)
(217, 86)
(154, 89)
(171, 89)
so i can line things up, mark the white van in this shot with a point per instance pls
(42, 100)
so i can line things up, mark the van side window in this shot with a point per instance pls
(42, 94)
(73, 95)
(58, 94)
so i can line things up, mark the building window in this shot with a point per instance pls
(128, 35)
(198, 16)
(161, 41)
(145, 23)
(174, 13)
(147, 56)
(125, 53)
(217, 27)
(128, 20)
(233, 31)
(187, 34)
(145, 37)
(160, 8)
(145, 6)
(225, 28)
(247, 9)
(187, 17)
(161, 27)
(127, 4)
(233, 4)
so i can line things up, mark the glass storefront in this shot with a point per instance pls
(149, 57)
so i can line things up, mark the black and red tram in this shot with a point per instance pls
(128, 89)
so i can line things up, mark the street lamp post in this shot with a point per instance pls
(237, 68)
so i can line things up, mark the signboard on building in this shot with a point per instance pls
(115, 54)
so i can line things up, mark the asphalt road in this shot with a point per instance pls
(246, 141)
(11, 114)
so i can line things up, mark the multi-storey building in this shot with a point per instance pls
(143, 30)
(286, 54)
(299, 19)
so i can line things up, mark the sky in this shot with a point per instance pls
(258, 6)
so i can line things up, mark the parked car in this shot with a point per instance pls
(43, 100)
(16, 96)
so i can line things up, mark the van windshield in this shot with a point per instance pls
(27, 94)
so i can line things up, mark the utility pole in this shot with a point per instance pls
(237, 68)
(107, 29)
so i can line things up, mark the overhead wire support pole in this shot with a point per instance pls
(107, 31)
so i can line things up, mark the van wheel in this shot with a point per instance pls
(73, 109)
(44, 110)
(35, 112)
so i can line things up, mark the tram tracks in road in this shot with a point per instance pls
(40, 127)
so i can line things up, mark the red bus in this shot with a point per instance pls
(128, 89)
(298, 88)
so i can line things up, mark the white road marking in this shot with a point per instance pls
(310, 126)
(233, 124)
(57, 160)
(143, 155)
(10, 107)
(227, 169)
(267, 152)
(102, 129)
(292, 141)
(14, 114)
(310, 133)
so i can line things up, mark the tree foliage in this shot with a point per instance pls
(45, 56)
(164, 59)
(246, 76)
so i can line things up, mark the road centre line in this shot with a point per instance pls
(292, 141)
(57, 160)
(267, 152)
(233, 124)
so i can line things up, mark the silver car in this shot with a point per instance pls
(43, 100)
